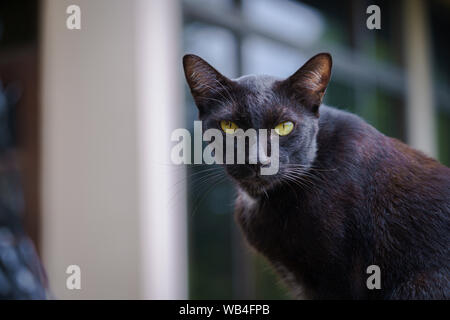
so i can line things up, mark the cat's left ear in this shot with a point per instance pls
(310, 82)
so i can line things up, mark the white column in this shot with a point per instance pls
(419, 102)
(110, 92)
(160, 110)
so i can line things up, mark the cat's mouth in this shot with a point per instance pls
(251, 180)
(256, 184)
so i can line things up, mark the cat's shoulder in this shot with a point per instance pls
(332, 117)
(342, 126)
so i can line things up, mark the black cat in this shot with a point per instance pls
(346, 196)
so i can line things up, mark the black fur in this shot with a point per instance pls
(362, 199)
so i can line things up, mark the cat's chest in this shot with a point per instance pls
(273, 228)
(275, 231)
(288, 234)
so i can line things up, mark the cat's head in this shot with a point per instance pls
(290, 106)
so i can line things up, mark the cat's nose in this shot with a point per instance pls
(264, 161)
(260, 164)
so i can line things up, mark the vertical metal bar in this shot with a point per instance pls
(361, 90)
(420, 109)
(243, 279)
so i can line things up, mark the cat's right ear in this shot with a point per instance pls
(203, 80)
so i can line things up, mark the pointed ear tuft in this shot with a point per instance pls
(310, 82)
(202, 78)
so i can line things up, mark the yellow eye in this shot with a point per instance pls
(284, 128)
(228, 126)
